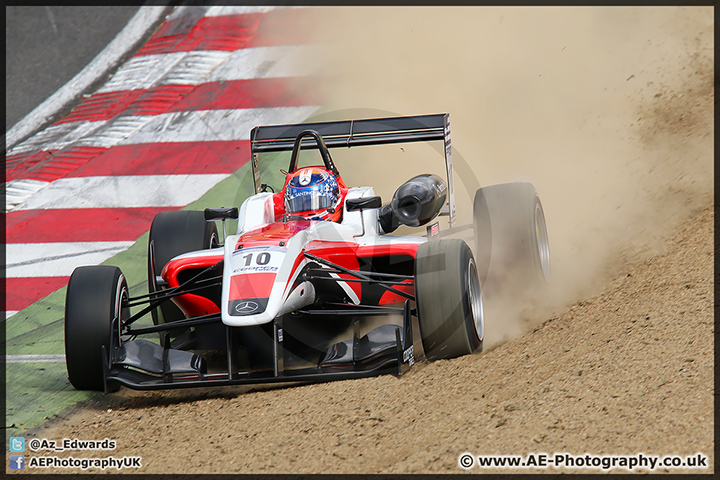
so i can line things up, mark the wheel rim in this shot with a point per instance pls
(152, 281)
(543, 244)
(122, 312)
(475, 297)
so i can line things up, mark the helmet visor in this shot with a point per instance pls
(308, 200)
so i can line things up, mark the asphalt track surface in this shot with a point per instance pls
(45, 47)
(626, 369)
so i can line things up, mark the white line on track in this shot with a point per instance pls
(122, 192)
(18, 191)
(207, 125)
(268, 62)
(178, 68)
(196, 67)
(33, 359)
(57, 259)
(220, 11)
(115, 130)
(57, 136)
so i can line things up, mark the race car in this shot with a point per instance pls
(313, 285)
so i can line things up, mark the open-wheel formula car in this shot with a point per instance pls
(313, 286)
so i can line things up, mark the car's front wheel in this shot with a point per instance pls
(449, 299)
(96, 305)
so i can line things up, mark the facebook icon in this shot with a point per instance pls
(17, 462)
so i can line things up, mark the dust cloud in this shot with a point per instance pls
(606, 110)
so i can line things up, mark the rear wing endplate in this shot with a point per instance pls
(352, 133)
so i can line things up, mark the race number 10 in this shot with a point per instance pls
(260, 259)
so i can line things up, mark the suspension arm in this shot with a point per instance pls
(361, 275)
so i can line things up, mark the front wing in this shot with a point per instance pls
(174, 362)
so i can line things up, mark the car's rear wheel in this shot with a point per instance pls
(449, 299)
(172, 234)
(512, 247)
(96, 305)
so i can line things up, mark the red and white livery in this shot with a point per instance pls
(313, 285)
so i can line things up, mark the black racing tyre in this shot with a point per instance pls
(511, 240)
(172, 234)
(449, 299)
(96, 303)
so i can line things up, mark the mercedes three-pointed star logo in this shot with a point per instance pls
(246, 307)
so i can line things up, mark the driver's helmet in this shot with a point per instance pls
(312, 193)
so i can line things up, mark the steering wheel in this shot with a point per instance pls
(324, 153)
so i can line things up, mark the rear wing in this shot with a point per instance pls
(352, 133)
